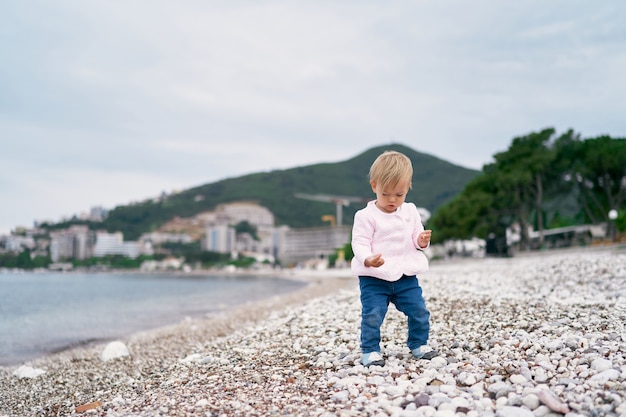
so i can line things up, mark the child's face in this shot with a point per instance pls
(389, 199)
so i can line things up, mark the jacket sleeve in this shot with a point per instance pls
(419, 228)
(362, 236)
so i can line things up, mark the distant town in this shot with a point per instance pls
(237, 235)
(236, 230)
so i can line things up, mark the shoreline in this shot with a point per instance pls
(95, 339)
(164, 343)
(536, 335)
(96, 342)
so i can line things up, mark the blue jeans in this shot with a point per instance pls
(406, 295)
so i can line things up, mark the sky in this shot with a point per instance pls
(103, 103)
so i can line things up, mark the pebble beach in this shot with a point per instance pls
(533, 335)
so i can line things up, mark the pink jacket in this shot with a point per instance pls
(394, 235)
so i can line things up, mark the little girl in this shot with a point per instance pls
(387, 240)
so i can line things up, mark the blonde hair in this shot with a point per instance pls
(391, 168)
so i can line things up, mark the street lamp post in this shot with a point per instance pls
(612, 217)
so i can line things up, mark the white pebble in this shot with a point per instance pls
(517, 379)
(601, 365)
(28, 372)
(509, 411)
(438, 362)
(114, 350)
(531, 401)
(341, 396)
(202, 403)
(604, 376)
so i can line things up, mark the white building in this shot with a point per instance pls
(98, 213)
(219, 238)
(220, 235)
(247, 211)
(156, 238)
(297, 245)
(16, 243)
(74, 242)
(113, 244)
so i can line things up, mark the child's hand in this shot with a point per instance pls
(374, 261)
(424, 238)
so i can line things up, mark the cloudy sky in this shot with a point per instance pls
(107, 102)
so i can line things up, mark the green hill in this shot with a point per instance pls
(434, 183)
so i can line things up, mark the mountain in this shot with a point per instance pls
(435, 182)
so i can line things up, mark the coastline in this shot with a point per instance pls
(170, 341)
(541, 335)
(48, 313)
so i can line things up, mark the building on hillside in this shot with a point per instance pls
(179, 226)
(220, 235)
(75, 242)
(259, 217)
(299, 245)
(98, 213)
(288, 246)
(16, 243)
(78, 242)
(247, 211)
(263, 244)
(113, 244)
(61, 245)
(219, 238)
(83, 242)
(156, 238)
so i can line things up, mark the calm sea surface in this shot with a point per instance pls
(42, 313)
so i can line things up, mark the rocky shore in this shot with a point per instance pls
(539, 335)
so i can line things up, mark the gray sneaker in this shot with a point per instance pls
(420, 353)
(372, 358)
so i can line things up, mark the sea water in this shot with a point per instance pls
(47, 312)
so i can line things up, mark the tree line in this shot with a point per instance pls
(543, 180)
